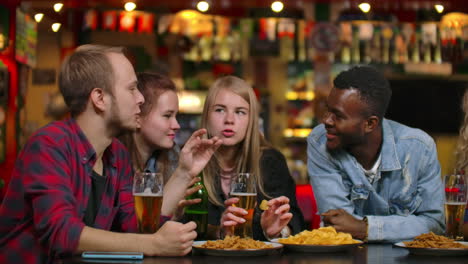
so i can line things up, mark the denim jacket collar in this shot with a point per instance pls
(390, 161)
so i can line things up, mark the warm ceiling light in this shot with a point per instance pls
(58, 7)
(277, 6)
(38, 17)
(203, 6)
(130, 6)
(365, 7)
(56, 27)
(439, 8)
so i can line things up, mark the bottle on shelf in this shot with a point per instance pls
(438, 49)
(355, 47)
(376, 49)
(199, 212)
(345, 54)
(415, 56)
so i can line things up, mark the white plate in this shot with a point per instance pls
(436, 251)
(319, 248)
(237, 252)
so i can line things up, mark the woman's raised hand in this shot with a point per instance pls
(276, 217)
(197, 152)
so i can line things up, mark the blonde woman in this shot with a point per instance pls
(462, 152)
(231, 114)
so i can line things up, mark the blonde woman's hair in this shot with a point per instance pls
(249, 150)
(461, 152)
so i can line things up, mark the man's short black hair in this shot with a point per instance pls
(373, 87)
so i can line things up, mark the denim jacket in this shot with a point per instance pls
(405, 199)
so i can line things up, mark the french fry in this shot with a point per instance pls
(235, 242)
(431, 240)
(264, 205)
(321, 236)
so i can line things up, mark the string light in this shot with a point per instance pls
(277, 6)
(58, 7)
(130, 6)
(365, 7)
(439, 8)
(56, 27)
(203, 6)
(38, 17)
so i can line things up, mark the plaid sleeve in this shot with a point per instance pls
(47, 184)
(126, 218)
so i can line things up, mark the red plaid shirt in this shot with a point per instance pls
(42, 213)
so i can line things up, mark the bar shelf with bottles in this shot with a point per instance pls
(425, 48)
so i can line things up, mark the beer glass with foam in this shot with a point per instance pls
(455, 204)
(148, 196)
(243, 186)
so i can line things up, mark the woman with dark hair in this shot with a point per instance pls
(152, 146)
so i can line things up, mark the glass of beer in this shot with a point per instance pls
(455, 204)
(244, 187)
(148, 196)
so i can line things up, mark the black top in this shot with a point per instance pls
(276, 182)
(98, 183)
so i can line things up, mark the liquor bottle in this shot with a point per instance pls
(367, 51)
(394, 47)
(355, 51)
(199, 212)
(438, 49)
(459, 48)
(415, 56)
(387, 35)
(346, 54)
(376, 46)
(426, 52)
(386, 51)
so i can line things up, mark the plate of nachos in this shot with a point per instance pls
(236, 246)
(434, 245)
(324, 239)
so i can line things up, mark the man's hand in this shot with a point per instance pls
(173, 239)
(344, 222)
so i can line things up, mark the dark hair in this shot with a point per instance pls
(151, 86)
(374, 89)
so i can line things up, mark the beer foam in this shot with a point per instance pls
(147, 192)
(243, 194)
(455, 203)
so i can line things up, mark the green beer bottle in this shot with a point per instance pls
(199, 212)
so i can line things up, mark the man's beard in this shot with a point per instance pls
(115, 124)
